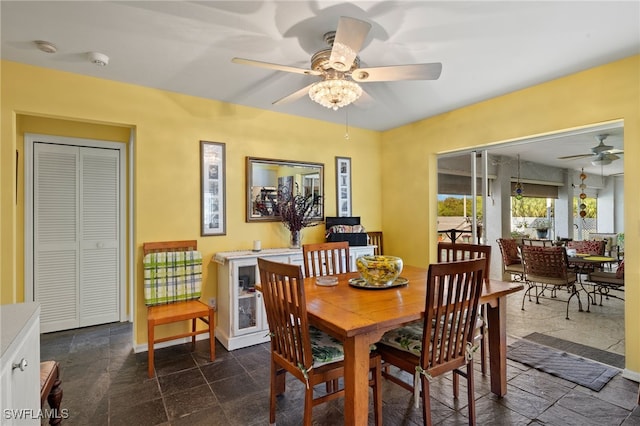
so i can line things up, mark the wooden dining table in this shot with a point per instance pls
(360, 316)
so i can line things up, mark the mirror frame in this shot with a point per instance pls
(256, 161)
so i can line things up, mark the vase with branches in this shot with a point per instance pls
(297, 211)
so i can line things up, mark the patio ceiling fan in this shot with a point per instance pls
(338, 68)
(601, 154)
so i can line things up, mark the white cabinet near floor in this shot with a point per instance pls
(241, 318)
(20, 364)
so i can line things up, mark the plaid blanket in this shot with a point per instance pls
(172, 277)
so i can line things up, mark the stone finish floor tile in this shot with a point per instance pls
(106, 383)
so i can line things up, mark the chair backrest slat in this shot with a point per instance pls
(326, 258)
(161, 246)
(375, 238)
(451, 310)
(451, 252)
(285, 305)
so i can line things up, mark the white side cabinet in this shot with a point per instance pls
(20, 364)
(241, 318)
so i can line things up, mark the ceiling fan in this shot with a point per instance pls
(602, 154)
(339, 68)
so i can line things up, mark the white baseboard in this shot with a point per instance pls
(144, 347)
(631, 375)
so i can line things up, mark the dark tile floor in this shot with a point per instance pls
(106, 383)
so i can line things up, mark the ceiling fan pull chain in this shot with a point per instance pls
(346, 114)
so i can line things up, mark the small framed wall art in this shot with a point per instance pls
(343, 186)
(213, 219)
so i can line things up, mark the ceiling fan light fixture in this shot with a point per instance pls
(335, 93)
(342, 54)
(601, 162)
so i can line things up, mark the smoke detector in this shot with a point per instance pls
(46, 46)
(99, 59)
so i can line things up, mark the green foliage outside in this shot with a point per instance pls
(454, 206)
(526, 207)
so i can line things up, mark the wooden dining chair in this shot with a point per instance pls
(173, 280)
(451, 252)
(326, 258)
(444, 341)
(375, 238)
(309, 354)
(549, 268)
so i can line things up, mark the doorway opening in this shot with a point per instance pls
(548, 171)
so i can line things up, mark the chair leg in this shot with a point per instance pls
(212, 337)
(426, 401)
(150, 338)
(456, 384)
(530, 287)
(483, 354)
(194, 327)
(55, 399)
(483, 345)
(273, 393)
(308, 406)
(471, 394)
(574, 292)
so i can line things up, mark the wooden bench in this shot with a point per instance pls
(50, 389)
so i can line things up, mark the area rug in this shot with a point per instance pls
(584, 372)
(605, 357)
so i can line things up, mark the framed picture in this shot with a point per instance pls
(343, 186)
(212, 189)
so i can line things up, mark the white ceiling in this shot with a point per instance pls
(486, 48)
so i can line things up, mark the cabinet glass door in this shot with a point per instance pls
(248, 312)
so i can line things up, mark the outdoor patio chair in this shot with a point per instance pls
(511, 260)
(548, 267)
(604, 282)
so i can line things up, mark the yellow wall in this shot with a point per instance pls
(168, 128)
(606, 93)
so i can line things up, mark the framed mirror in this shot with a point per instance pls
(265, 175)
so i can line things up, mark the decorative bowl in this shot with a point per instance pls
(379, 270)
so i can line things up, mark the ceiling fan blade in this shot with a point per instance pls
(277, 67)
(293, 96)
(398, 72)
(348, 41)
(572, 157)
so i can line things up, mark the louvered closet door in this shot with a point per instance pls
(99, 206)
(56, 233)
(76, 255)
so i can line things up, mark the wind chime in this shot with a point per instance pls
(583, 196)
(518, 187)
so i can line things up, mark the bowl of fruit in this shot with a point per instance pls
(379, 270)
